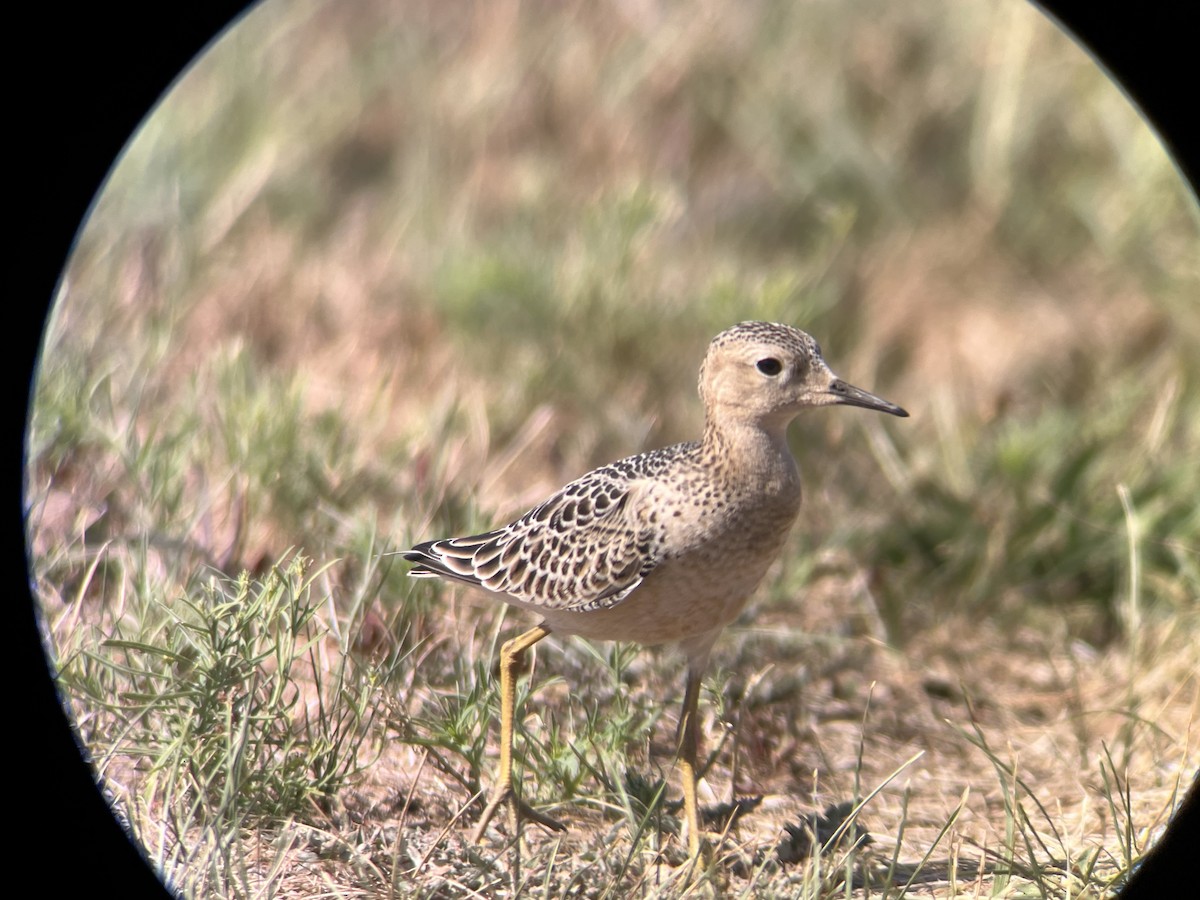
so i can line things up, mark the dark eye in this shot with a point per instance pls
(770, 366)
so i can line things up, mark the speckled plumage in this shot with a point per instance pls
(667, 545)
(631, 551)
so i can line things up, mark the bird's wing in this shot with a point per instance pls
(585, 548)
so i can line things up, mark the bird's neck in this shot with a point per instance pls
(756, 447)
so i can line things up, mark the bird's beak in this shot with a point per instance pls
(849, 395)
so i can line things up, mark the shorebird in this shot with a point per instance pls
(665, 546)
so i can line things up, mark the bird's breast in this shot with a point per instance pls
(713, 545)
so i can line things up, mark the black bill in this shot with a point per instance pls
(849, 395)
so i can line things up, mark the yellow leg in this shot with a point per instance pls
(688, 745)
(510, 661)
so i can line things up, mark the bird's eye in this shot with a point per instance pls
(770, 366)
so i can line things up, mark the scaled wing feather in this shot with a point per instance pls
(585, 548)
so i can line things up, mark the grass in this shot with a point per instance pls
(370, 277)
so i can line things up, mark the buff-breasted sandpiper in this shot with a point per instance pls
(665, 546)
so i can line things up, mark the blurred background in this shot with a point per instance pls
(374, 273)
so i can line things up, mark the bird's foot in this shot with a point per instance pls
(524, 811)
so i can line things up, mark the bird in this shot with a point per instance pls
(662, 547)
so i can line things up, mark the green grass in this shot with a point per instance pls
(368, 278)
(218, 701)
